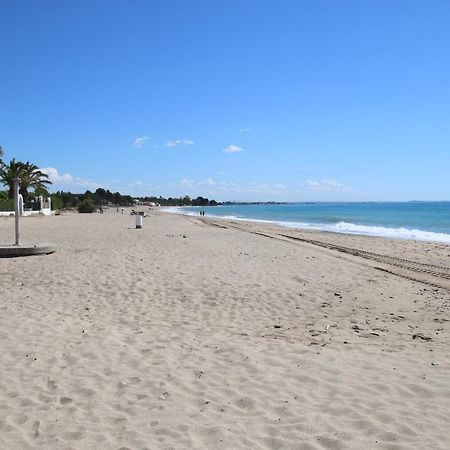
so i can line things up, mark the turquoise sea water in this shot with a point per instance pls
(428, 221)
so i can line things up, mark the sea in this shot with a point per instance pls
(425, 221)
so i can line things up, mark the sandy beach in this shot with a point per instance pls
(208, 334)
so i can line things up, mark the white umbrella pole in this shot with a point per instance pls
(17, 209)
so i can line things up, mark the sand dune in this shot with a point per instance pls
(186, 334)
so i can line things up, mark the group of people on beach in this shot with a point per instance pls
(202, 213)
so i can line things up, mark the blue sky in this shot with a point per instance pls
(234, 100)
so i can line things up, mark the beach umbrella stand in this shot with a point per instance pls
(23, 248)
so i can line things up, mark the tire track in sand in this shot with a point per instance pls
(430, 274)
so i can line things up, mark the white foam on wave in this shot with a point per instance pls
(369, 230)
(175, 210)
(341, 227)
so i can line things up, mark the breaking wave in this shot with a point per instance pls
(341, 227)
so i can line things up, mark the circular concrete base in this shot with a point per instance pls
(26, 249)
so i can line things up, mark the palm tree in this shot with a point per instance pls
(29, 174)
(10, 171)
(34, 178)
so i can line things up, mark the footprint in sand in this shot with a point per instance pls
(52, 385)
(35, 428)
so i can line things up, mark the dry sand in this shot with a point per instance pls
(200, 334)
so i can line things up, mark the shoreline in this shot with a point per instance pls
(389, 233)
(398, 256)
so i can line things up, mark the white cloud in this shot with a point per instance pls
(207, 182)
(244, 130)
(177, 142)
(55, 177)
(209, 186)
(328, 185)
(264, 188)
(139, 142)
(185, 182)
(232, 149)
(67, 179)
(136, 184)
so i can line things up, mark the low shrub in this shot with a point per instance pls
(56, 202)
(7, 205)
(86, 206)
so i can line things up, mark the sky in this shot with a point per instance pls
(247, 100)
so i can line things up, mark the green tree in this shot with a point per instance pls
(200, 201)
(100, 193)
(10, 171)
(29, 175)
(117, 198)
(86, 206)
(57, 201)
(33, 178)
(41, 190)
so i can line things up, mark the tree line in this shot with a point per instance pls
(104, 197)
(34, 182)
(101, 197)
(179, 201)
